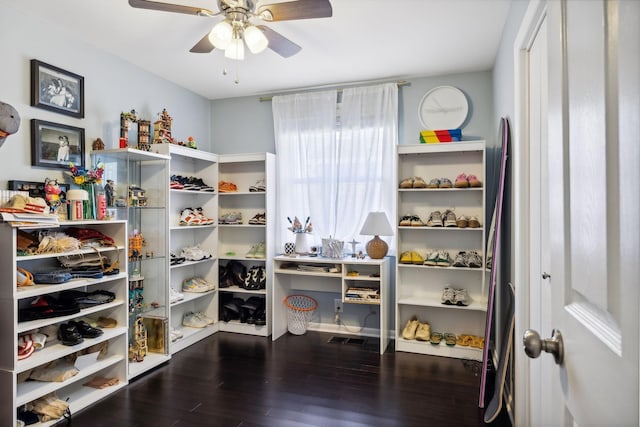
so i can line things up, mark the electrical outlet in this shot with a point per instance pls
(337, 305)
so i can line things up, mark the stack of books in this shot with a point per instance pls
(438, 136)
(364, 295)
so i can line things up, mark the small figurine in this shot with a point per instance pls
(109, 191)
(360, 255)
(52, 194)
(191, 143)
(97, 145)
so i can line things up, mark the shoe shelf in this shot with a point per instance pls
(321, 276)
(419, 287)
(246, 184)
(459, 352)
(199, 167)
(14, 299)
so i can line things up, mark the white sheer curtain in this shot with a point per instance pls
(336, 172)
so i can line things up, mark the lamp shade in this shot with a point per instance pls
(220, 36)
(255, 39)
(376, 224)
(235, 50)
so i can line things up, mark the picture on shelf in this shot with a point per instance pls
(57, 90)
(55, 145)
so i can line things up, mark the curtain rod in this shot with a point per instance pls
(269, 98)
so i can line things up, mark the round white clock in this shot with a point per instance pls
(443, 107)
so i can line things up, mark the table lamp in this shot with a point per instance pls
(377, 225)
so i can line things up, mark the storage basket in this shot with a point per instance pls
(300, 309)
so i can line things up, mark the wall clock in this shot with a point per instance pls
(443, 107)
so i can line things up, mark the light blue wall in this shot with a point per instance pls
(241, 125)
(111, 86)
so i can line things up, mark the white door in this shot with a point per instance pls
(592, 159)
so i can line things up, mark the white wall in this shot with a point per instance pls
(241, 125)
(111, 86)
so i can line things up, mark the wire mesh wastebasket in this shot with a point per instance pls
(300, 309)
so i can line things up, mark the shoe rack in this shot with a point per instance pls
(14, 370)
(419, 287)
(188, 162)
(141, 197)
(238, 241)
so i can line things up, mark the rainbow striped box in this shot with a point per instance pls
(438, 136)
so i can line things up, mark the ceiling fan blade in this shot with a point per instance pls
(203, 46)
(300, 9)
(168, 7)
(279, 43)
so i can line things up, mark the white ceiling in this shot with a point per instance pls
(365, 40)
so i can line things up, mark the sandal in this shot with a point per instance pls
(434, 183)
(416, 221)
(419, 183)
(24, 277)
(436, 337)
(450, 339)
(405, 221)
(406, 183)
(474, 181)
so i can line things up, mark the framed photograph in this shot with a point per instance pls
(55, 89)
(54, 145)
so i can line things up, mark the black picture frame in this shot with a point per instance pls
(55, 89)
(54, 145)
(35, 189)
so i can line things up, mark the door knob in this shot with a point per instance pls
(533, 345)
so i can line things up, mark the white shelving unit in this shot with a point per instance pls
(146, 213)
(13, 371)
(189, 162)
(419, 287)
(291, 277)
(235, 241)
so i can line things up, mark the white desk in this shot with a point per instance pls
(300, 273)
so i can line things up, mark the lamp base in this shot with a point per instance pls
(377, 248)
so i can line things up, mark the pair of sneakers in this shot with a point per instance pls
(469, 259)
(231, 218)
(197, 284)
(196, 319)
(440, 258)
(452, 296)
(194, 253)
(414, 329)
(175, 296)
(258, 251)
(190, 216)
(256, 278)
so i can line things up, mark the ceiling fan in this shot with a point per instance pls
(236, 27)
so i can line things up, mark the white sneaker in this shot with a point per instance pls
(175, 296)
(193, 321)
(195, 284)
(194, 253)
(175, 334)
(203, 317)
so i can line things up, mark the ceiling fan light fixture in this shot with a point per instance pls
(235, 49)
(221, 35)
(255, 39)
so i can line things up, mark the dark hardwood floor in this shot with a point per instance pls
(238, 380)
